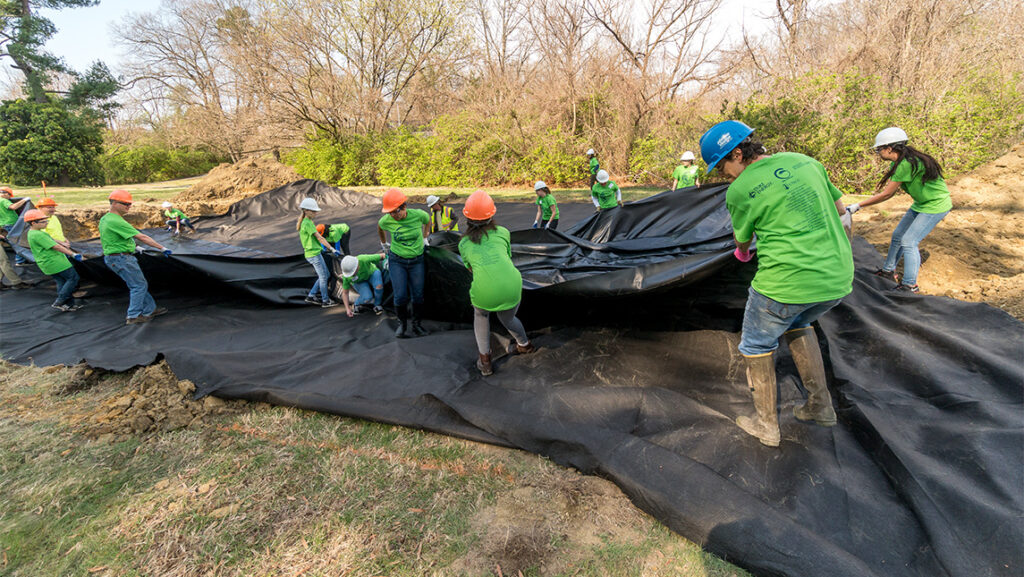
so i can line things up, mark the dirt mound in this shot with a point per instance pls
(155, 401)
(83, 223)
(229, 183)
(977, 252)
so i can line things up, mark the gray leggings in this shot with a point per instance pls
(482, 327)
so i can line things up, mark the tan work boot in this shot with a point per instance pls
(761, 379)
(803, 343)
(484, 365)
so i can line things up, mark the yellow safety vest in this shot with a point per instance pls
(446, 216)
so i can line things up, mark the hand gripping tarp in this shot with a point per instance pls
(636, 312)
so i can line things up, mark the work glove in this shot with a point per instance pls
(385, 246)
(741, 255)
(426, 241)
(536, 223)
(548, 225)
(167, 252)
(77, 257)
(853, 208)
(847, 220)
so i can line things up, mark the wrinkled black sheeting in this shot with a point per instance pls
(923, 476)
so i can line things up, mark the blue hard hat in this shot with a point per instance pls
(721, 139)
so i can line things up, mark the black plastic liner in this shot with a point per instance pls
(636, 312)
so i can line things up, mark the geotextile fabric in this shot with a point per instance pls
(636, 312)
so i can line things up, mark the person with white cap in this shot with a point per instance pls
(547, 207)
(441, 217)
(363, 274)
(312, 241)
(605, 193)
(593, 165)
(176, 218)
(920, 176)
(685, 174)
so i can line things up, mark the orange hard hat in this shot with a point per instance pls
(479, 206)
(121, 196)
(7, 190)
(320, 228)
(393, 199)
(46, 202)
(34, 215)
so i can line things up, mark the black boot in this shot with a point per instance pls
(417, 328)
(402, 332)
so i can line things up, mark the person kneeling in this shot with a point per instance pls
(52, 259)
(497, 286)
(363, 275)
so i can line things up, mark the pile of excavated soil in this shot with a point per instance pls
(154, 400)
(229, 183)
(977, 252)
(83, 223)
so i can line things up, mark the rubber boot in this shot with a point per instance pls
(402, 332)
(803, 344)
(484, 364)
(417, 328)
(761, 379)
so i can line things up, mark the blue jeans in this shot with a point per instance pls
(408, 277)
(370, 290)
(323, 277)
(911, 230)
(765, 320)
(126, 266)
(67, 282)
(18, 259)
(184, 221)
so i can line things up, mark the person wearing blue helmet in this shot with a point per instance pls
(805, 265)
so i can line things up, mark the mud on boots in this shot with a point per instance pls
(791, 289)
(497, 286)
(408, 228)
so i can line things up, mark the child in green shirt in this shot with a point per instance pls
(547, 207)
(176, 218)
(52, 259)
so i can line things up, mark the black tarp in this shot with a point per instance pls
(636, 312)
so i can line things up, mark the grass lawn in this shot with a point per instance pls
(90, 195)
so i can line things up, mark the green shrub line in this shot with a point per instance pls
(153, 163)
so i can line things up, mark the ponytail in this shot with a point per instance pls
(476, 229)
(932, 169)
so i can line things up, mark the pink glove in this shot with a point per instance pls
(742, 256)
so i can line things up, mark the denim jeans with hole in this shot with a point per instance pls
(323, 277)
(765, 320)
(911, 230)
(126, 266)
(370, 290)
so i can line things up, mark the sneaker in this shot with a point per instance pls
(66, 308)
(378, 310)
(906, 288)
(313, 300)
(887, 274)
(515, 348)
(138, 320)
(328, 304)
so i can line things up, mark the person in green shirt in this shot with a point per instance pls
(547, 207)
(805, 265)
(312, 241)
(6, 270)
(52, 259)
(118, 240)
(686, 173)
(336, 234)
(408, 228)
(176, 218)
(497, 286)
(363, 274)
(48, 206)
(9, 216)
(605, 193)
(593, 165)
(920, 176)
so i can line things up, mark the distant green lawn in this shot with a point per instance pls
(89, 195)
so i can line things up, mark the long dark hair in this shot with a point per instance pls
(932, 170)
(476, 229)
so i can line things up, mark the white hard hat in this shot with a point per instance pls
(349, 266)
(590, 151)
(539, 185)
(432, 200)
(891, 135)
(602, 176)
(167, 204)
(309, 204)
(688, 155)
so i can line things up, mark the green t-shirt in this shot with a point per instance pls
(116, 235)
(930, 197)
(54, 229)
(594, 165)
(307, 236)
(497, 284)
(174, 213)
(685, 175)
(803, 255)
(406, 234)
(546, 204)
(7, 216)
(367, 264)
(335, 232)
(49, 261)
(606, 194)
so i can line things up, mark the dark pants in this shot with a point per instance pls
(553, 226)
(184, 221)
(67, 282)
(342, 245)
(408, 277)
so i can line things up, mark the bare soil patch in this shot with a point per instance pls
(229, 183)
